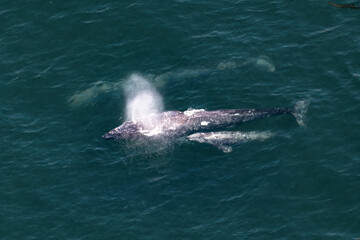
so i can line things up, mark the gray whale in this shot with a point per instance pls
(224, 140)
(174, 124)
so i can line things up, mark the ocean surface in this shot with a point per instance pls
(63, 69)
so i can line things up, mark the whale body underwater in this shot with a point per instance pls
(174, 124)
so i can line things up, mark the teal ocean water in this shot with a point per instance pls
(63, 68)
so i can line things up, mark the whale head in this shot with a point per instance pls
(126, 131)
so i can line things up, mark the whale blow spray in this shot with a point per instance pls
(142, 99)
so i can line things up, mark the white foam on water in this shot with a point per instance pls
(300, 110)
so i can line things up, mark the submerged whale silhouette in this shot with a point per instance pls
(351, 5)
(173, 124)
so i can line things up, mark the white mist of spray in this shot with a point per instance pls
(142, 99)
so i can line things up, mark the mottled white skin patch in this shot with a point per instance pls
(191, 112)
(204, 123)
(153, 132)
